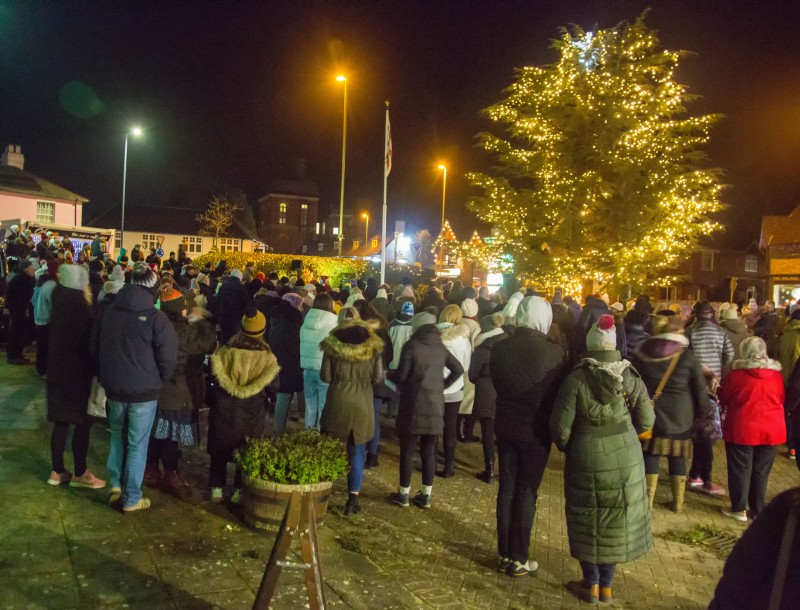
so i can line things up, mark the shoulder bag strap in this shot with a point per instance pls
(673, 363)
(782, 566)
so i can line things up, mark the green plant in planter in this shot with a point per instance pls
(298, 458)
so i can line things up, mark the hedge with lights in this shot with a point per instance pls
(602, 175)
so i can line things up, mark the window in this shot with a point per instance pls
(316, 229)
(304, 214)
(194, 244)
(751, 264)
(117, 240)
(707, 261)
(374, 243)
(323, 227)
(336, 230)
(320, 246)
(356, 244)
(149, 241)
(45, 211)
(227, 244)
(305, 249)
(282, 214)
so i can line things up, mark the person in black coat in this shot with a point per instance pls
(69, 376)
(592, 310)
(283, 336)
(18, 302)
(485, 394)
(635, 334)
(231, 301)
(526, 370)
(420, 418)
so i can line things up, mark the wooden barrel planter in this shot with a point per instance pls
(264, 503)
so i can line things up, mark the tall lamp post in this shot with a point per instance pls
(443, 167)
(365, 216)
(343, 79)
(135, 132)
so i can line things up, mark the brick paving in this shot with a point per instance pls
(64, 548)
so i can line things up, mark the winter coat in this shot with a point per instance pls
(684, 396)
(19, 293)
(737, 332)
(766, 326)
(601, 408)
(753, 396)
(431, 299)
(317, 324)
(789, 348)
(384, 307)
(400, 331)
(135, 346)
(283, 336)
(526, 371)
(231, 301)
(380, 389)
(43, 302)
(195, 339)
(589, 316)
(237, 399)
(418, 378)
(457, 341)
(351, 364)
(485, 394)
(485, 307)
(711, 346)
(69, 364)
(635, 335)
(474, 329)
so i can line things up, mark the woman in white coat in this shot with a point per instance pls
(318, 323)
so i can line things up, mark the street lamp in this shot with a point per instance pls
(135, 132)
(342, 79)
(365, 216)
(443, 167)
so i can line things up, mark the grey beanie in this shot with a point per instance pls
(423, 318)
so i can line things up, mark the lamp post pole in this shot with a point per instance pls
(343, 79)
(365, 216)
(444, 191)
(136, 131)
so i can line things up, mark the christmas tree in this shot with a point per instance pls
(601, 175)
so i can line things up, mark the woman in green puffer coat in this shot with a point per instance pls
(601, 408)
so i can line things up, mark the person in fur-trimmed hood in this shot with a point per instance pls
(242, 370)
(351, 365)
(754, 425)
(456, 338)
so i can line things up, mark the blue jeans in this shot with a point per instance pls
(372, 446)
(601, 574)
(282, 402)
(316, 391)
(355, 455)
(135, 420)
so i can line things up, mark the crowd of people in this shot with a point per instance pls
(616, 387)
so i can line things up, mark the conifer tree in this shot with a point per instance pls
(601, 173)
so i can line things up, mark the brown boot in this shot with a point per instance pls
(151, 475)
(171, 483)
(606, 597)
(652, 484)
(678, 492)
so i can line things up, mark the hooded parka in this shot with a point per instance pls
(351, 364)
(485, 394)
(596, 424)
(283, 336)
(317, 324)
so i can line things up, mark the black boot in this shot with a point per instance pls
(469, 429)
(372, 461)
(460, 429)
(487, 476)
(352, 507)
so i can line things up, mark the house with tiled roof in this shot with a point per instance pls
(780, 243)
(25, 195)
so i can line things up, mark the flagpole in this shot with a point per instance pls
(386, 166)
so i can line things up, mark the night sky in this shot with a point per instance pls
(232, 93)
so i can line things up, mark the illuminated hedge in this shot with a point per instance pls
(314, 267)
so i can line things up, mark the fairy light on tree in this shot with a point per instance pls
(601, 175)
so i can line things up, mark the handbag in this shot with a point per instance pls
(708, 425)
(646, 436)
(97, 400)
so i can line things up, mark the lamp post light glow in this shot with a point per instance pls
(135, 132)
(343, 79)
(365, 216)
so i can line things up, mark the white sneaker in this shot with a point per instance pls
(742, 516)
(237, 496)
(216, 495)
(516, 568)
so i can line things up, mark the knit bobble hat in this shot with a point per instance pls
(143, 275)
(730, 313)
(237, 274)
(469, 308)
(407, 309)
(602, 335)
(172, 301)
(73, 276)
(253, 322)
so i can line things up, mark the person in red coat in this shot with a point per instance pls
(753, 395)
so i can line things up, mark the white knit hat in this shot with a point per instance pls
(73, 276)
(602, 335)
(469, 308)
(237, 274)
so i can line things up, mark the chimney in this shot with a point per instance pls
(12, 157)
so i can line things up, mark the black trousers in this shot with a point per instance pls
(427, 453)
(521, 469)
(41, 349)
(80, 446)
(166, 451)
(676, 464)
(218, 473)
(702, 460)
(487, 438)
(748, 474)
(449, 438)
(16, 335)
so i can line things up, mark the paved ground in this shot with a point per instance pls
(64, 548)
